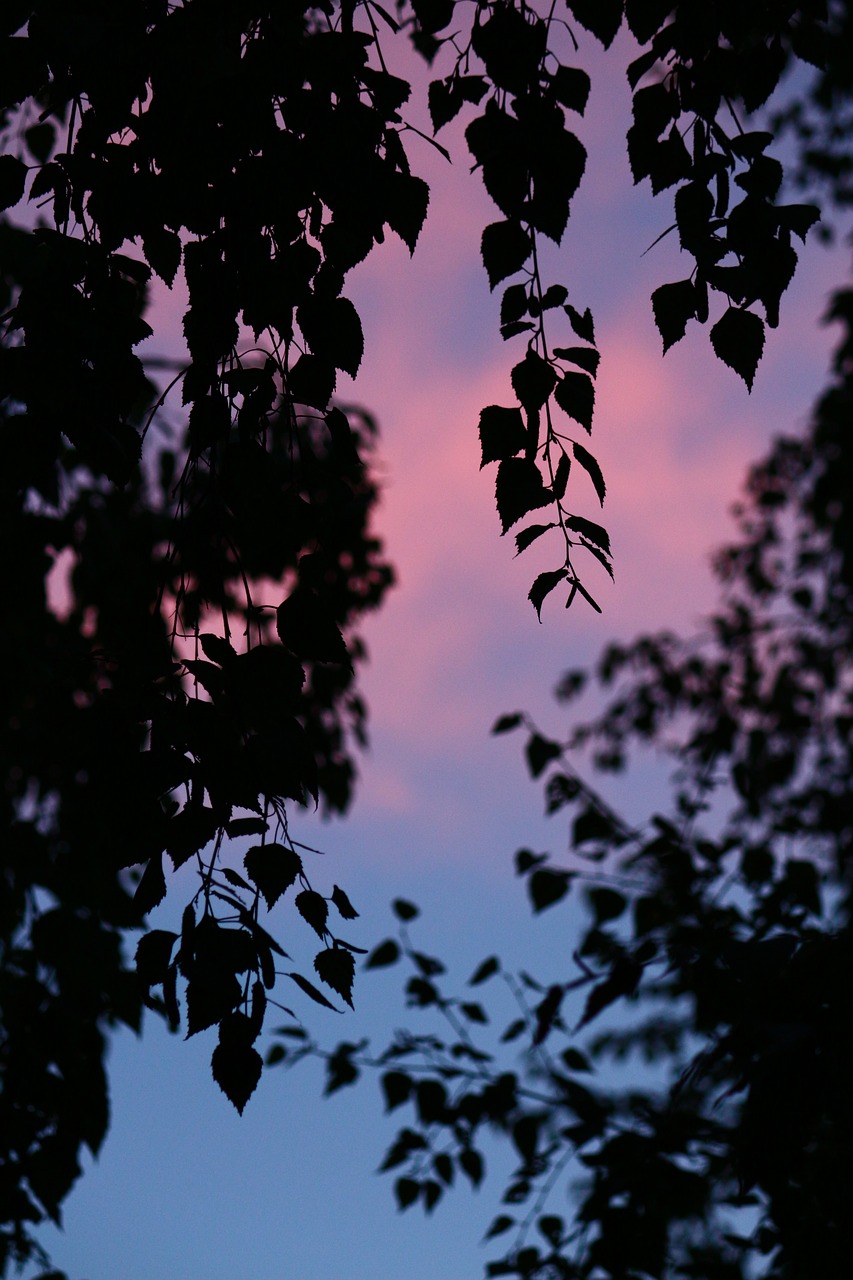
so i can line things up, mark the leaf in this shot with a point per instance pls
(505, 248)
(602, 18)
(332, 329)
(541, 751)
(518, 489)
(593, 532)
(336, 967)
(406, 1191)
(547, 886)
(797, 218)
(445, 101)
(311, 990)
(153, 955)
(216, 648)
(151, 890)
(504, 724)
(314, 909)
(499, 1225)
(581, 322)
(307, 627)
(345, 908)
(484, 971)
(236, 1069)
(163, 250)
(571, 87)
(513, 304)
(386, 953)
(272, 868)
(533, 380)
(404, 910)
(471, 1164)
(592, 469)
(502, 433)
(543, 586)
(561, 478)
(13, 180)
(474, 1012)
(531, 533)
(397, 1088)
(575, 394)
(738, 340)
(245, 827)
(592, 824)
(407, 208)
(586, 357)
(606, 904)
(673, 305)
(212, 993)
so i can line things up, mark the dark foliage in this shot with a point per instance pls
(716, 952)
(183, 580)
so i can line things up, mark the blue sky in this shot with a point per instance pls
(184, 1187)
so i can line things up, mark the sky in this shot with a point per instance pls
(185, 1188)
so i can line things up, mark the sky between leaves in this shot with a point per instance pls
(184, 1188)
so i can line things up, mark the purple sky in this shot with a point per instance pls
(186, 1189)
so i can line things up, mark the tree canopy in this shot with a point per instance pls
(192, 678)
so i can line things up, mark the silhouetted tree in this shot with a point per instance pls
(193, 679)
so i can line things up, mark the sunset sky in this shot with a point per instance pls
(184, 1187)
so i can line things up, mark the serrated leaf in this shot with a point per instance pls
(151, 890)
(336, 967)
(531, 533)
(587, 358)
(502, 433)
(341, 901)
(217, 648)
(673, 305)
(543, 585)
(533, 380)
(211, 995)
(575, 394)
(153, 955)
(13, 180)
(513, 303)
(505, 247)
(519, 488)
(272, 868)
(236, 1069)
(163, 249)
(571, 87)
(592, 469)
(738, 340)
(313, 908)
(386, 953)
(581, 322)
(592, 532)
